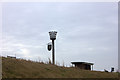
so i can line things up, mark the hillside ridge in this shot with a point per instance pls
(20, 68)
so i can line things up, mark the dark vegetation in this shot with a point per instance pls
(20, 68)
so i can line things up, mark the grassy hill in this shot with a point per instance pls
(19, 68)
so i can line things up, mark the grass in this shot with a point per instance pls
(20, 68)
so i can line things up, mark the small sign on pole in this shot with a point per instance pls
(49, 46)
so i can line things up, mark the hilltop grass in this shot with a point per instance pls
(20, 68)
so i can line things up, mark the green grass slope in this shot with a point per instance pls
(17, 68)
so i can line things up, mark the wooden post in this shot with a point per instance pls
(92, 67)
(53, 53)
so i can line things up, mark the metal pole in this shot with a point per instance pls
(53, 52)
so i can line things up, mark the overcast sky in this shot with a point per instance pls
(86, 32)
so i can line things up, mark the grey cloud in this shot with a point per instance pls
(86, 31)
